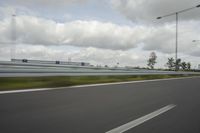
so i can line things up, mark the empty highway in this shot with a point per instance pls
(163, 106)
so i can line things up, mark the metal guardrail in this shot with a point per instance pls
(12, 69)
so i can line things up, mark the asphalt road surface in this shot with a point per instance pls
(169, 106)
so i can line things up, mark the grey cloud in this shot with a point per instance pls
(162, 38)
(162, 32)
(44, 3)
(146, 11)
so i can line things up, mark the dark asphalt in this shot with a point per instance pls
(102, 108)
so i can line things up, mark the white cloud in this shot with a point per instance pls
(104, 35)
(104, 42)
(95, 56)
(33, 30)
(111, 57)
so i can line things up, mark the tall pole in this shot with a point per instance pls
(177, 13)
(13, 37)
(176, 51)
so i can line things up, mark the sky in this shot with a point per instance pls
(103, 32)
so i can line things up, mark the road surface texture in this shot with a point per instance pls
(167, 106)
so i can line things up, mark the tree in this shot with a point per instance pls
(183, 65)
(171, 63)
(178, 64)
(152, 60)
(188, 65)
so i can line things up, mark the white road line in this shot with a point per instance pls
(93, 85)
(130, 82)
(18, 91)
(141, 120)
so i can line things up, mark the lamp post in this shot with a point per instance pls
(196, 41)
(177, 15)
(198, 66)
(13, 36)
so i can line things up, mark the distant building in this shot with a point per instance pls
(51, 62)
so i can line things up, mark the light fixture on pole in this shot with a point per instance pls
(195, 40)
(177, 15)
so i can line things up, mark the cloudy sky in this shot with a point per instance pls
(100, 32)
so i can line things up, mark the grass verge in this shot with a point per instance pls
(63, 81)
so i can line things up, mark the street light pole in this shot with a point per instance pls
(13, 36)
(176, 56)
(177, 18)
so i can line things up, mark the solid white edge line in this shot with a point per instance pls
(129, 82)
(141, 120)
(93, 85)
(27, 90)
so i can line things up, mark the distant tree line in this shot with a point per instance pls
(171, 63)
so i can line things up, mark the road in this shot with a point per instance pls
(174, 106)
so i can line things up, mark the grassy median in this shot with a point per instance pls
(46, 82)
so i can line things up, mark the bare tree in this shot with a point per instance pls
(152, 60)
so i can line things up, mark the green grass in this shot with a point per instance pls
(46, 82)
